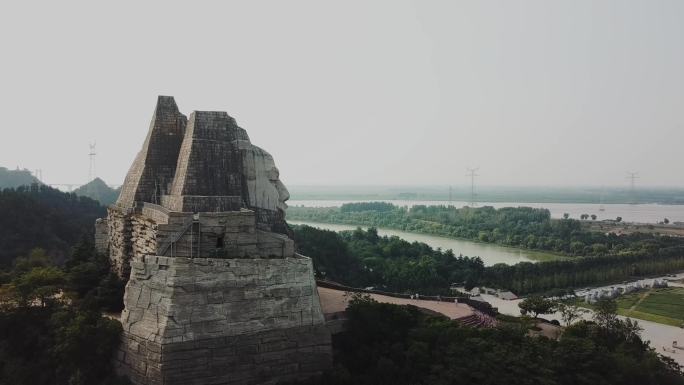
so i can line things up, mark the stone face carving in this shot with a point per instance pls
(264, 188)
(264, 191)
(216, 292)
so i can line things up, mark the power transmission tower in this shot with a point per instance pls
(451, 195)
(472, 174)
(91, 154)
(632, 176)
(39, 175)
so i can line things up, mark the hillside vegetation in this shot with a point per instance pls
(98, 190)
(389, 344)
(39, 216)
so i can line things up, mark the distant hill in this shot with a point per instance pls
(40, 216)
(16, 178)
(97, 189)
(517, 194)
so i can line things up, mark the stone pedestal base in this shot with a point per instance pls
(261, 358)
(209, 321)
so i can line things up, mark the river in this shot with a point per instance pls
(660, 335)
(490, 254)
(643, 213)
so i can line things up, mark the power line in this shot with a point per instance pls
(472, 174)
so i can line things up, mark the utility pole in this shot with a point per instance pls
(632, 176)
(472, 174)
(451, 196)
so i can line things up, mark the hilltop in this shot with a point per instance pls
(15, 178)
(98, 190)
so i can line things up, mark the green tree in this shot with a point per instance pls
(570, 313)
(536, 305)
(605, 312)
(40, 285)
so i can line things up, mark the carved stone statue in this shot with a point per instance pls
(216, 292)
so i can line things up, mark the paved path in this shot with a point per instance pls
(333, 301)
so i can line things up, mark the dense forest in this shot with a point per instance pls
(39, 216)
(53, 290)
(52, 331)
(362, 258)
(389, 344)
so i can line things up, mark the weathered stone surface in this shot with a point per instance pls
(155, 165)
(207, 320)
(216, 293)
(206, 164)
(102, 236)
(265, 193)
(266, 357)
(171, 299)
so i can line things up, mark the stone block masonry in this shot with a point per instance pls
(222, 321)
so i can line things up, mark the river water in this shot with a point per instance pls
(661, 336)
(490, 254)
(643, 213)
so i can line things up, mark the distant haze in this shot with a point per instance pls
(574, 92)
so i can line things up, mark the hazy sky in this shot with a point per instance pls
(357, 92)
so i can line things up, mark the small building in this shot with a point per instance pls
(507, 295)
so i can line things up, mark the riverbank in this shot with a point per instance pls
(490, 254)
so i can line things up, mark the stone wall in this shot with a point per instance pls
(235, 320)
(102, 236)
(143, 235)
(150, 229)
(195, 204)
(267, 357)
(119, 230)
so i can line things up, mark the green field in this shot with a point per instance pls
(658, 305)
(665, 306)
